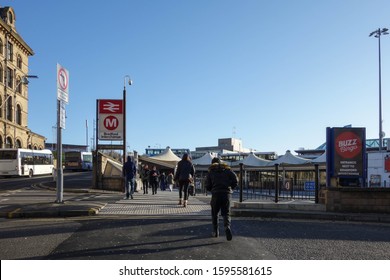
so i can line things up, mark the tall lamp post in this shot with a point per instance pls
(129, 81)
(377, 34)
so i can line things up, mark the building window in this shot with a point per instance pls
(18, 144)
(10, 51)
(19, 114)
(10, 18)
(10, 77)
(1, 108)
(8, 142)
(9, 108)
(1, 142)
(19, 62)
(1, 47)
(1, 74)
(19, 85)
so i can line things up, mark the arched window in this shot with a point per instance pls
(1, 47)
(19, 114)
(10, 18)
(8, 143)
(18, 144)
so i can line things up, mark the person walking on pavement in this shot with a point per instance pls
(153, 175)
(145, 178)
(170, 181)
(221, 181)
(184, 173)
(129, 171)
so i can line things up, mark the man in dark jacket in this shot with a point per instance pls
(129, 171)
(221, 181)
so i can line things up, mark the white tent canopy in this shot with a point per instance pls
(320, 159)
(290, 159)
(167, 155)
(254, 161)
(204, 160)
(166, 159)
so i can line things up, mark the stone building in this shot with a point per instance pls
(14, 55)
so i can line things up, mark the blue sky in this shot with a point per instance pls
(274, 74)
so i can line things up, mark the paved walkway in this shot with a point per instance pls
(163, 203)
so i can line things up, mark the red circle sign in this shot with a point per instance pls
(111, 123)
(348, 145)
(63, 79)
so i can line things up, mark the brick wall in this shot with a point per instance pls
(358, 200)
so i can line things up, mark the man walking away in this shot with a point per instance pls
(221, 181)
(129, 172)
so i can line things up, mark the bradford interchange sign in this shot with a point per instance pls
(110, 119)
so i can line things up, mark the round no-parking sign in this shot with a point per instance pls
(62, 84)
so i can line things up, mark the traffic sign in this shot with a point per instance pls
(62, 84)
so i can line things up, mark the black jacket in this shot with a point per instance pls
(185, 168)
(220, 179)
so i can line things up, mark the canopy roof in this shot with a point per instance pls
(254, 161)
(166, 159)
(289, 158)
(167, 155)
(320, 159)
(204, 160)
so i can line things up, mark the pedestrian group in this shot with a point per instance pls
(220, 181)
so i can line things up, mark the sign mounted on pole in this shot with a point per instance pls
(346, 162)
(62, 84)
(110, 115)
(62, 114)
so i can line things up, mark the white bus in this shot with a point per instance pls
(24, 162)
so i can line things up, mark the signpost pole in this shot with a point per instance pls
(62, 99)
(124, 123)
(60, 177)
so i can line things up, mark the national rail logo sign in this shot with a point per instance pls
(110, 114)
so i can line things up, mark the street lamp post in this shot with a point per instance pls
(377, 34)
(128, 79)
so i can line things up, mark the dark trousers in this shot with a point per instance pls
(145, 186)
(221, 202)
(183, 189)
(154, 186)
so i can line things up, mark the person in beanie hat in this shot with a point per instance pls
(221, 181)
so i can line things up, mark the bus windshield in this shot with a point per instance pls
(87, 157)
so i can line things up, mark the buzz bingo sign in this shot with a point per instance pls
(110, 115)
(346, 156)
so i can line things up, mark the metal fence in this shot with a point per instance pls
(274, 186)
